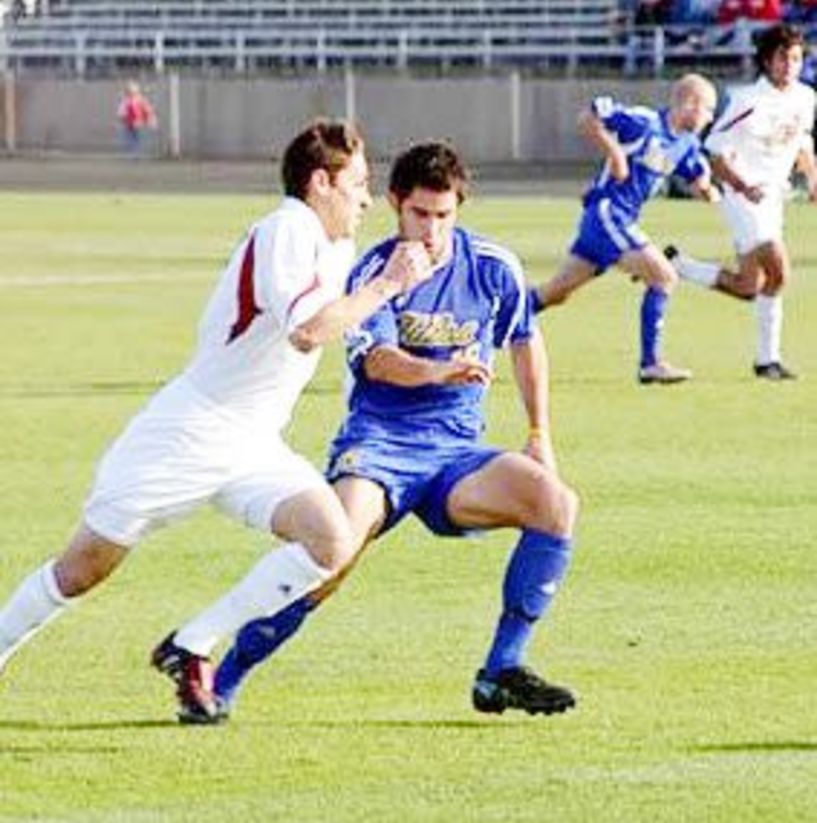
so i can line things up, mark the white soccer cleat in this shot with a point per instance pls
(662, 373)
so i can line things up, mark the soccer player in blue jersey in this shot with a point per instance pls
(411, 440)
(641, 147)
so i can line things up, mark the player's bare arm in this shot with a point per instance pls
(724, 171)
(532, 375)
(407, 267)
(594, 131)
(704, 189)
(389, 364)
(806, 165)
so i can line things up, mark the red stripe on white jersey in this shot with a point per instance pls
(247, 307)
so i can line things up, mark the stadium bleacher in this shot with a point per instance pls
(105, 36)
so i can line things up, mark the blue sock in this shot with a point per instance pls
(653, 308)
(535, 301)
(536, 567)
(255, 642)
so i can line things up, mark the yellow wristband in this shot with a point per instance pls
(534, 431)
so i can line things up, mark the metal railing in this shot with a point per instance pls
(109, 49)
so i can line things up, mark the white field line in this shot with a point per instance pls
(25, 281)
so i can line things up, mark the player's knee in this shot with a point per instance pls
(566, 509)
(775, 280)
(335, 549)
(555, 508)
(667, 280)
(746, 288)
(77, 572)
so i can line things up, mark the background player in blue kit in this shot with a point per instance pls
(411, 440)
(641, 148)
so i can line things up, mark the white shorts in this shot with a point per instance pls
(753, 224)
(180, 453)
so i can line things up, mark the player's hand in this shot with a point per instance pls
(540, 449)
(710, 193)
(408, 266)
(461, 372)
(754, 194)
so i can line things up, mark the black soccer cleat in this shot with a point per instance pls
(519, 688)
(193, 676)
(774, 371)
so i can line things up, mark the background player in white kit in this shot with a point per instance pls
(764, 130)
(213, 433)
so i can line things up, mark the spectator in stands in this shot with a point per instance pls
(769, 11)
(136, 117)
(695, 11)
(801, 11)
(18, 9)
(653, 12)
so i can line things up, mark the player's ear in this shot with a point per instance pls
(394, 200)
(320, 182)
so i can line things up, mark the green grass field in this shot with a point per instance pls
(687, 623)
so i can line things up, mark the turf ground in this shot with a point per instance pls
(687, 623)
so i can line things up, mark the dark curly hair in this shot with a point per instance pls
(434, 165)
(768, 41)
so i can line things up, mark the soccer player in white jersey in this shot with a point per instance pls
(763, 132)
(213, 433)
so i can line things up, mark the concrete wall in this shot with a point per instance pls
(254, 118)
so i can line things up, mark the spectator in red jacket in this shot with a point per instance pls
(136, 117)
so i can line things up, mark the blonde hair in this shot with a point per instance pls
(689, 86)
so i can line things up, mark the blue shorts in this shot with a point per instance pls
(605, 234)
(417, 477)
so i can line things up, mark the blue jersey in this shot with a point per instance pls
(473, 304)
(654, 152)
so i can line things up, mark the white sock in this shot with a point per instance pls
(769, 313)
(36, 601)
(278, 579)
(697, 271)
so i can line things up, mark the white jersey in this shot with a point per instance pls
(212, 434)
(283, 272)
(762, 130)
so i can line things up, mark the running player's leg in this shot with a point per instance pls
(364, 503)
(768, 363)
(320, 544)
(651, 265)
(42, 596)
(575, 272)
(762, 272)
(128, 499)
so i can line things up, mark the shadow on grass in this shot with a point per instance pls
(487, 725)
(108, 725)
(408, 724)
(24, 752)
(770, 746)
